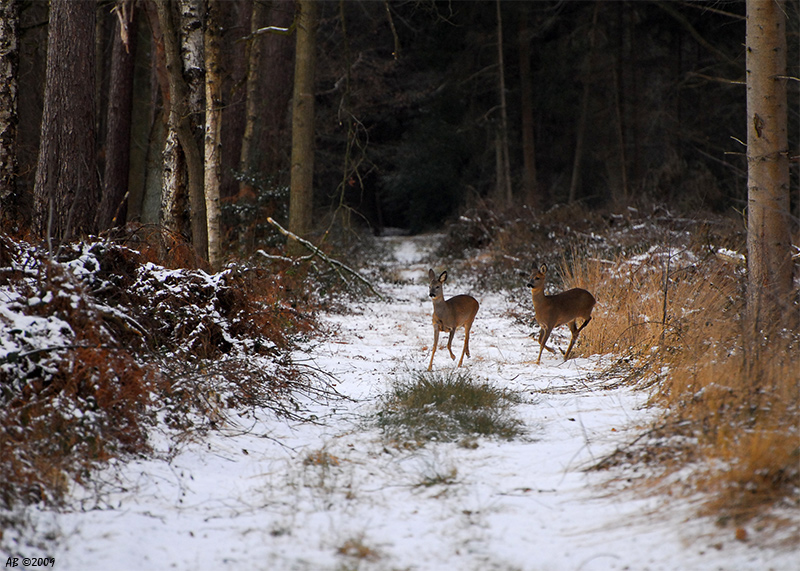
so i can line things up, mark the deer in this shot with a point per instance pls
(563, 308)
(449, 315)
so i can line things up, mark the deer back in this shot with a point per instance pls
(561, 308)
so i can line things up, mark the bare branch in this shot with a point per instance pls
(332, 262)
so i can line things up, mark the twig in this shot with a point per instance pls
(15, 356)
(333, 263)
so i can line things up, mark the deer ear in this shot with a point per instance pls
(443, 277)
(543, 269)
(431, 275)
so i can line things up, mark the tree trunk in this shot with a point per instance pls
(530, 184)
(144, 113)
(301, 189)
(180, 123)
(584, 117)
(9, 68)
(768, 231)
(213, 131)
(504, 173)
(66, 192)
(233, 63)
(113, 207)
(623, 197)
(254, 52)
(277, 58)
(192, 58)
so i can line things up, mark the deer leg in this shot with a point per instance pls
(573, 326)
(465, 350)
(585, 323)
(543, 340)
(450, 343)
(544, 334)
(435, 343)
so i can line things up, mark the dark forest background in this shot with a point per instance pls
(608, 103)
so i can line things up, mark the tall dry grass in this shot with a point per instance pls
(674, 319)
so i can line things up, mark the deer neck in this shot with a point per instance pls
(538, 297)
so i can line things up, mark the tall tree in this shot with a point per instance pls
(213, 104)
(9, 67)
(503, 188)
(181, 130)
(582, 125)
(278, 68)
(301, 190)
(254, 51)
(191, 30)
(768, 218)
(66, 191)
(113, 206)
(530, 184)
(270, 57)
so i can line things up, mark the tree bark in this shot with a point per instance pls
(301, 189)
(9, 68)
(584, 117)
(213, 79)
(504, 172)
(254, 52)
(180, 124)
(272, 129)
(66, 192)
(113, 206)
(768, 218)
(530, 184)
(192, 58)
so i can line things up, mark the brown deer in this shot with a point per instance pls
(560, 309)
(458, 311)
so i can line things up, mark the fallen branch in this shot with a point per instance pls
(335, 264)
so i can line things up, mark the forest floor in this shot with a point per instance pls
(334, 494)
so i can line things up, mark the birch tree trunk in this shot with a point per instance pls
(768, 218)
(181, 132)
(301, 189)
(213, 80)
(192, 58)
(66, 191)
(9, 68)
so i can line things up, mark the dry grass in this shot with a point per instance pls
(356, 549)
(674, 319)
(670, 307)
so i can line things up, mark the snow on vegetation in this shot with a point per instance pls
(98, 345)
(337, 476)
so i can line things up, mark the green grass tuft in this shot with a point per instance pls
(438, 407)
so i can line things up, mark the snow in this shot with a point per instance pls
(264, 493)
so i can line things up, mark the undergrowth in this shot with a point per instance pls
(100, 341)
(674, 319)
(437, 407)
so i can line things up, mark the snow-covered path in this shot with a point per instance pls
(331, 495)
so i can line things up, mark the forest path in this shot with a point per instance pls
(264, 493)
